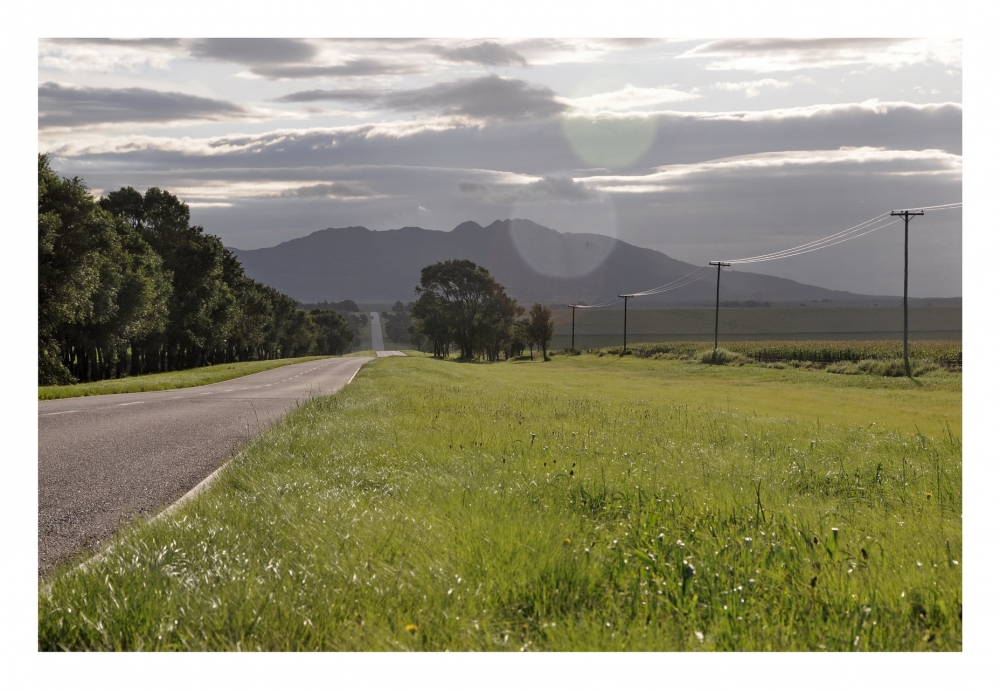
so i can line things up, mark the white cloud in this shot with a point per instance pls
(95, 144)
(106, 56)
(782, 55)
(752, 88)
(628, 98)
(873, 159)
(873, 105)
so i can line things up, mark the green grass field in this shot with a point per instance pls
(174, 379)
(588, 503)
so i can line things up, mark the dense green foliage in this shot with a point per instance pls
(344, 306)
(459, 302)
(398, 325)
(587, 504)
(127, 286)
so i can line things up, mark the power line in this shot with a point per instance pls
(854, 232)
(835, 239)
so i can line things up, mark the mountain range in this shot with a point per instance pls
(534, 262)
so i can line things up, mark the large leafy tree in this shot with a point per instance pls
(460, 302)
(334, 334)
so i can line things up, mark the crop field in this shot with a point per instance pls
(169, 380)
(603, 327)
(587, 503)
(947, 353)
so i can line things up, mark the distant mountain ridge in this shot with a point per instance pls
(535, 263)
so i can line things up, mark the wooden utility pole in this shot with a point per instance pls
(906, 215)
(718, 279)
(572, 341)
(625, 322)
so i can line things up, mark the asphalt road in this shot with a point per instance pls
(105, 459)
(377, 343)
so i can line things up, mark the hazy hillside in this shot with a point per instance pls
(532, 261)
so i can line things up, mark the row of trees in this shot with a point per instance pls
(127, 286)
(460, 303)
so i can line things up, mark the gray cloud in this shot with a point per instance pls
(489, 98)
(352, 68)
(539, 147)
(254, 51)
(476, 188)
(356, 95)
(337, 190)
(485, 53)
(70, 106)
(731, 46)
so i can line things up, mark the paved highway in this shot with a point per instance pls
(377, 343)
(103, 460)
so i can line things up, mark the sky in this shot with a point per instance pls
(703, 149)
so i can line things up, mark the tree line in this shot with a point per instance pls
(459, 303)
(127, 286)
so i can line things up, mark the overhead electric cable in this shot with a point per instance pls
(829, 241)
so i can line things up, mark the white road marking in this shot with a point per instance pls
(176, 397)
(49, 414)
(140, 402)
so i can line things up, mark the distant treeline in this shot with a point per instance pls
(748, 304)
(346, 306)
(127, 286)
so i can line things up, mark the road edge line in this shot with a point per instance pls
(194, 491)
(203, 484)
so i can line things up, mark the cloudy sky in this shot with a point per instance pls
(702, 149)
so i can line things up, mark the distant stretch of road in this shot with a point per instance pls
(102, 460)
(377, 342)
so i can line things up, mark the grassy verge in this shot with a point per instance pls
(169, 380)
(586, 503)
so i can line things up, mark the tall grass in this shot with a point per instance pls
(810, 351)
(434, 505)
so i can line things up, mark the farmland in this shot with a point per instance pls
(597, 503)
(603, 327)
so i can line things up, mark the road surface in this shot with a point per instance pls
(105, 459)
(377, 342)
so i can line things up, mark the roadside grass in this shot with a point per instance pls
(582, 504)
(169, 380)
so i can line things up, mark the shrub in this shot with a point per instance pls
(843, 368)
(720, 356)
(895, 367)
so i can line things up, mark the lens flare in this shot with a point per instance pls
(582, 239)
(609, 141)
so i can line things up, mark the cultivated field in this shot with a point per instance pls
(603, 327)
(597, 503)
